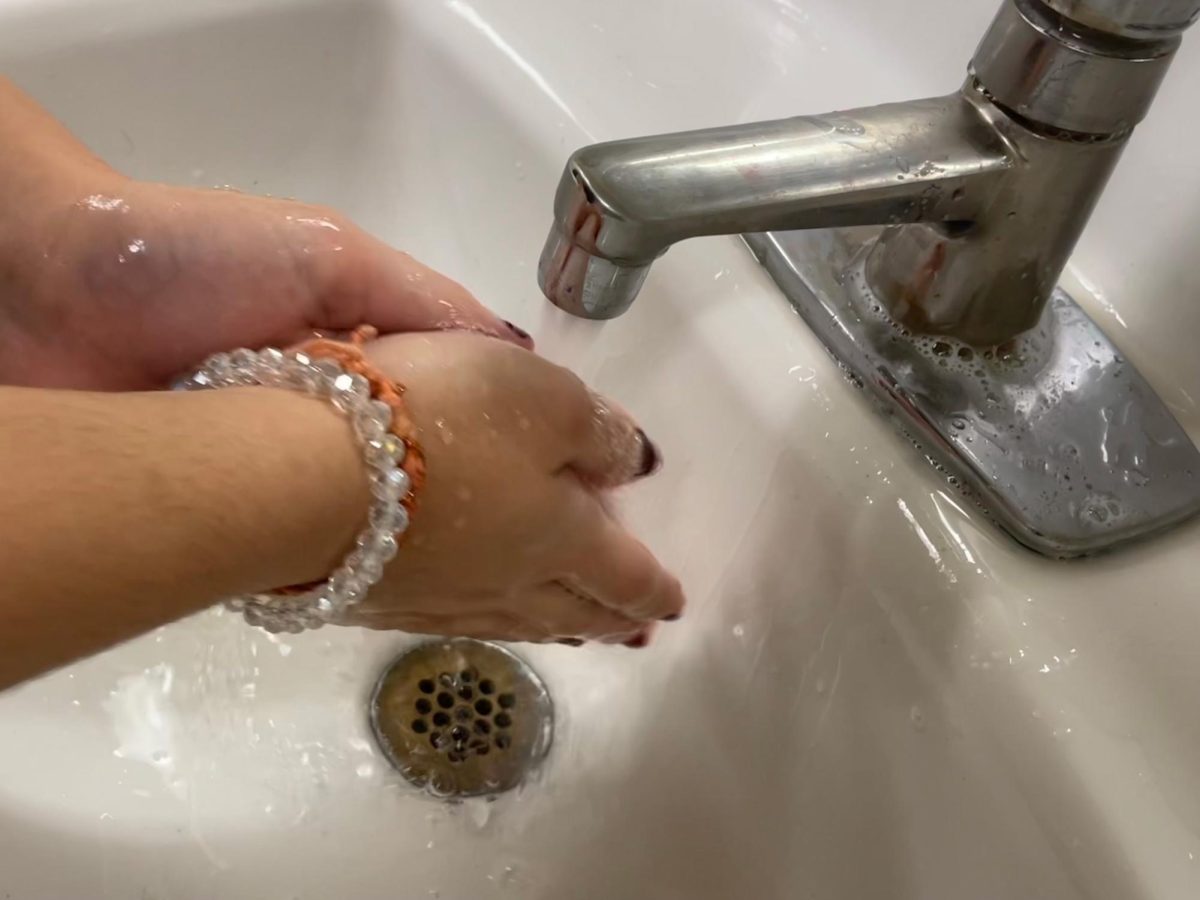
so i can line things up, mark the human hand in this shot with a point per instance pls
(513, 538)
(123, 285)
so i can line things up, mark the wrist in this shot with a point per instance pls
(372, 404)
(312, 493)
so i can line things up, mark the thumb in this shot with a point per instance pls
(614, 450)
(396, 293)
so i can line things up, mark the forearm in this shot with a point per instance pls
(124, 512)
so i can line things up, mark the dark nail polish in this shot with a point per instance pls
(637, 643)
(519, 332)
(570, 642)
(673, 617)
(651, 458)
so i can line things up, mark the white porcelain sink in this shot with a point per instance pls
(874, 695)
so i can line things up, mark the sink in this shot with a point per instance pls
(875, 694)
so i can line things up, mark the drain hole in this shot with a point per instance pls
(445, 712)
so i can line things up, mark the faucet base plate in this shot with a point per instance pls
(1055, 435)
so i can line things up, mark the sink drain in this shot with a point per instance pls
(462, 718)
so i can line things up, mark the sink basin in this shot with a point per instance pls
(874, 694)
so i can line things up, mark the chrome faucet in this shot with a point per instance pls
(948, 311)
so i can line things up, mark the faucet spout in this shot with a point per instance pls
(622, 204)
(945, 307)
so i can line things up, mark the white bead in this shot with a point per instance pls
(386, 517)
(387, 451)
(386, 546)
(381, 412)
(349, 392)
(395, 448)
(328, 371)
(299, 374)
(271, 357)
(372, 569)
(344, 583)
(218, 369)
(398, 481)
(272, 370)
(367, 427)
(389, 485)
(245, 366)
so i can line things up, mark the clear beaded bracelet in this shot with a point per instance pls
(336, 372)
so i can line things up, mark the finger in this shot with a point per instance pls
(622, 574)
(396, 293)
(613, 449)
(577, 429)
(548, 612)
(481, 626)
(561, 610)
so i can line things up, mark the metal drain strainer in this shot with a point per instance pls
(462, 718)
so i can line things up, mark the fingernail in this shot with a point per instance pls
(519, 332)
(651, 458)
(673, 617)
(638, 642)
(570, 642)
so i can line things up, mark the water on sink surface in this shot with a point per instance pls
(872, 694)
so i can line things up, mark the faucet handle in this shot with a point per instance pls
(1036, 63)
(1139, 19)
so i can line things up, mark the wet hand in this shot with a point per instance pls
(513, 538)
(124, 284)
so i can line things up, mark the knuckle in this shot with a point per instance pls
(643, 589)
(577, 406)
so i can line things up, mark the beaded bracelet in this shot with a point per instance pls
(337, 372)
